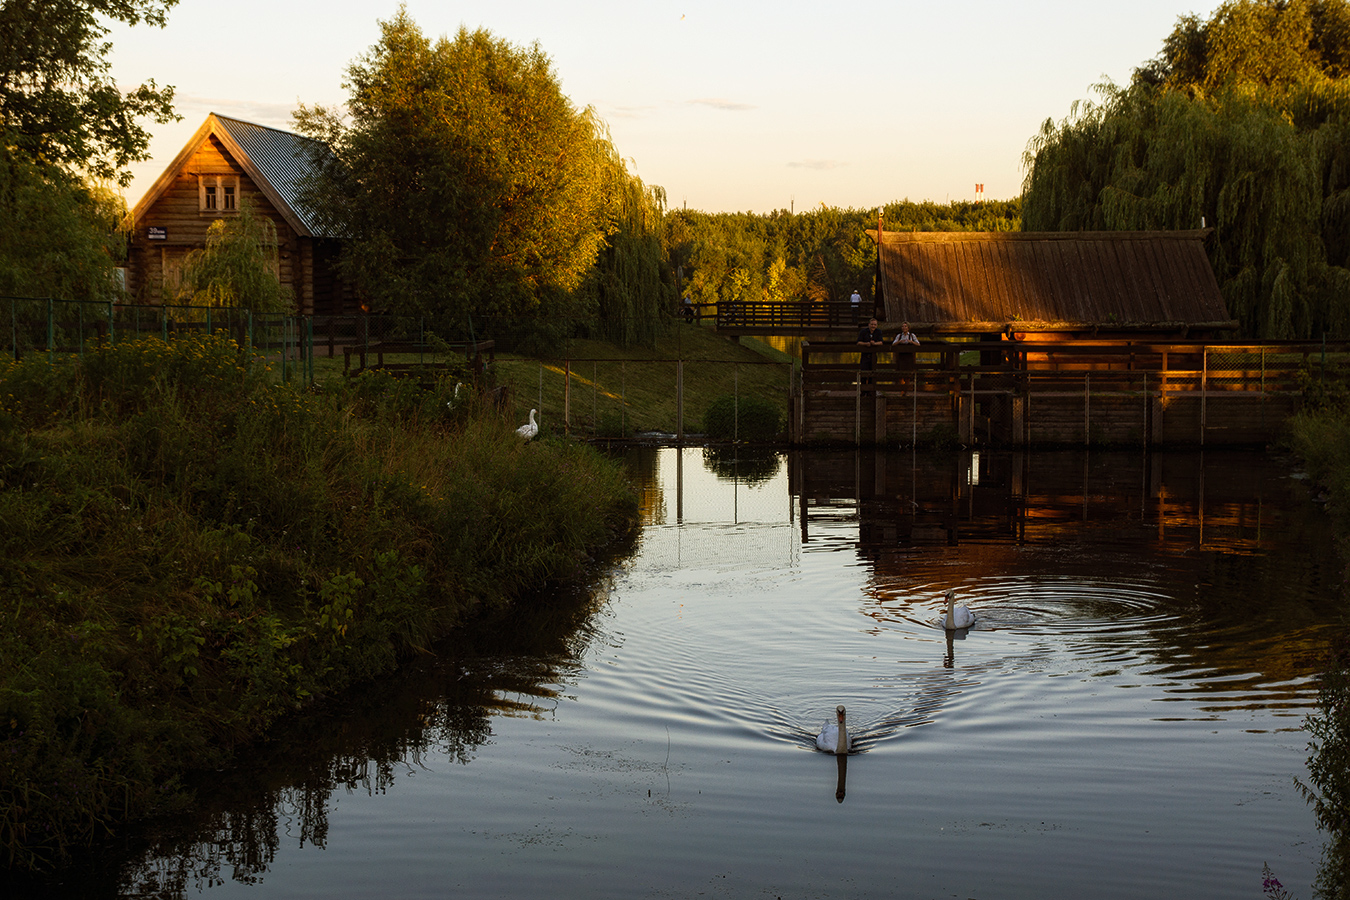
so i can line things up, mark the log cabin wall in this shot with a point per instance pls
(180, 217)
(229, 162)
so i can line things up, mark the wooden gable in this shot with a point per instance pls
(228, 163)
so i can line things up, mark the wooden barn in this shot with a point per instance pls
(1050, 285)
(226, 163)
(1079, 338)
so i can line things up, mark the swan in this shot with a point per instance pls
(957, 616)
(530, 428)
(834, 736)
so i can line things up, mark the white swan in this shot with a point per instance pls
(530, 428)
(956, 616)
(834, 736)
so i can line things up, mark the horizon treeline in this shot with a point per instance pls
(821, 254)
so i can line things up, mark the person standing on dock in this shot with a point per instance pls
(905, 336)
(869, 337)
(856, 302)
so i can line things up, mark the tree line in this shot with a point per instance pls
(466, 184)
(1240, 124)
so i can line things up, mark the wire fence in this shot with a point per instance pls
(563, 368)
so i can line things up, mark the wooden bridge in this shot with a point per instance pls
(826, 319)
(1080, 393)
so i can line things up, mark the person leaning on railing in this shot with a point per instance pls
(905, 336)
(905, 342)
(869, 337)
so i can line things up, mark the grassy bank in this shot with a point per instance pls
(617, 391)
(192, 551)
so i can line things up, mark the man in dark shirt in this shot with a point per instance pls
(869, 337)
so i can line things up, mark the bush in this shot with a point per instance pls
(191, 551)
(754, 419)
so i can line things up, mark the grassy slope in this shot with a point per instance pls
(619, 391)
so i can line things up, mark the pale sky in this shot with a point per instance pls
(730, 106)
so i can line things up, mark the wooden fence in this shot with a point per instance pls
(1055, 393)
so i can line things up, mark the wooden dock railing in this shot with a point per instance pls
(1080, 393)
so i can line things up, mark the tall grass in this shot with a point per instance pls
(192, 551)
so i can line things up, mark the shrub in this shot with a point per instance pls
(753, 419)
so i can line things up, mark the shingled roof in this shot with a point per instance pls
(276, 161)
(983, 282)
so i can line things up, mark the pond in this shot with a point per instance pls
(1123, 719)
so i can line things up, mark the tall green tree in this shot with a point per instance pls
(461, 175)
(59, 236)
(1242, 123)
(58, 103)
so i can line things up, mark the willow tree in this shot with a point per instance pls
(239, 266)
(627, 287)
(462, 177)
(1241, 125)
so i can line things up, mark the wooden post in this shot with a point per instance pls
(679, 401)
(567, 396)
(1204, 384)
(1087, 405)
(1143, 434)
(857, 409)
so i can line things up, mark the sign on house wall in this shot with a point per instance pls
(156, 233)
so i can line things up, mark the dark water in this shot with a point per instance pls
(1122, 721)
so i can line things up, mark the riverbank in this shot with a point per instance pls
(193, 551)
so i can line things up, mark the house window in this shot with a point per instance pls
(218, 193)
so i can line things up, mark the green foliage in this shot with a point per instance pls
(239, 265)
(463, 179)
(1258, 43)
(59, 105)
(742, 464)
(191, 551)
(627, 288)
(819, 255)
(1241, 124)
(753, 419)
(58, 236)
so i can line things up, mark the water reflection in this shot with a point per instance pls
(765, 592)
(286, 788)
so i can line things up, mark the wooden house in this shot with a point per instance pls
(226, 163)
(1043, 286)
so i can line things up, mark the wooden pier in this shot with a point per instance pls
(1048, 393)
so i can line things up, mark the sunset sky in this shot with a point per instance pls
(729, 106)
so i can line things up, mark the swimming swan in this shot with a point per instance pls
(530, 428)
(834, 736)
(957, 616)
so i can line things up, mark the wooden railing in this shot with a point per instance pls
(1257, 365)
(792, 317)
(1086, 392)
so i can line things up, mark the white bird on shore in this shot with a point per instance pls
(834, 736)
(957, 616)
(530, 428)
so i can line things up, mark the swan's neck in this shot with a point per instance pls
(841, 746)
(951, 612)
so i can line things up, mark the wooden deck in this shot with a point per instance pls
(1006, 393)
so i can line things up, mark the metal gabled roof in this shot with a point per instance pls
(989, 280)
(276, 161)
(283, 159)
